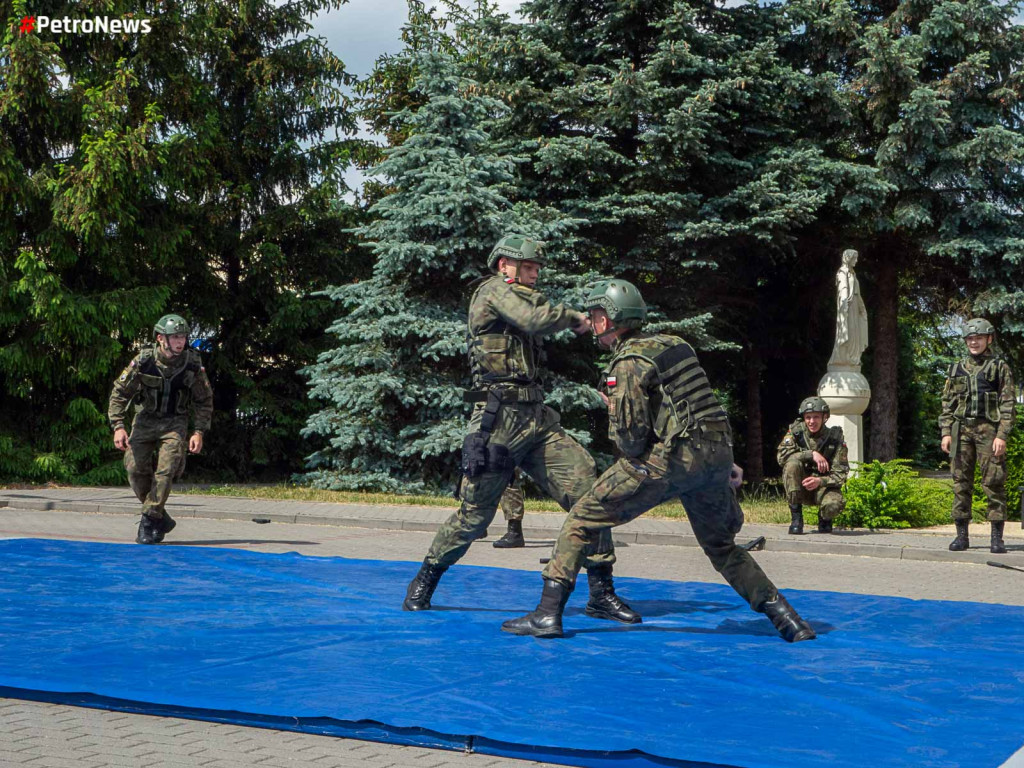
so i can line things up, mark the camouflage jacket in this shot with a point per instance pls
(657, 392)
(979, 388)
(829, 442)
(162, 389)
(506, 323)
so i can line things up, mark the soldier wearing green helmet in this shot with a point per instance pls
(511, 427)
(164, 381)
(675, 442)
(976, 420)
(815, 466)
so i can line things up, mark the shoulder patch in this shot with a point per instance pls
(510, 280)
(610, 380)
(788, 440)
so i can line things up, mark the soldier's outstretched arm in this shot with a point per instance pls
(530, 311)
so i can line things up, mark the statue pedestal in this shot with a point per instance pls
(847, 393)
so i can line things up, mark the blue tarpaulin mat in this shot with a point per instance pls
(321, 644)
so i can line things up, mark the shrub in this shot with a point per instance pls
(891, 495)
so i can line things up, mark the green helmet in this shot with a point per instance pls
(518, 247)
(978, 326)
(169, 325)
(813, 405)
(621, 300)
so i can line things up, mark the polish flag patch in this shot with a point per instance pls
(610, 381)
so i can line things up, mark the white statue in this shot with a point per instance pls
(851, 318)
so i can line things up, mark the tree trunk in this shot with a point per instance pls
(885, 340)
(754, 470)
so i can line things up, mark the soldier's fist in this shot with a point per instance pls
(121, 439)
(947, 443)
(736, 476)
(195, 443)
(998, 447)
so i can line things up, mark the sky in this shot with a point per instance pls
(362, 30)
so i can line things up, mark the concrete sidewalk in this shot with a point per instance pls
(927, 544)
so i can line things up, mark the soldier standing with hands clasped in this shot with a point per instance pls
(163, 380)
(977, 417)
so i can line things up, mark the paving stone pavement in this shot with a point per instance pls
(53, 736)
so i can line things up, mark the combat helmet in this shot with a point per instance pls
(978, 326)
(621, 300)
(517, 247)
(813, 405)
(169, 325)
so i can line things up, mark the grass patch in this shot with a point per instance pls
(756, 510)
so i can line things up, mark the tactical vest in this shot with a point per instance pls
(976, 393)
(686, 400)
(166, 394)
(501, 353)
(827, 445)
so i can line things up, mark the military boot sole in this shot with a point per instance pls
(601, 613)
(524, 627)
(958, 546)
(411, 606)
(803, 634)
(997, 550)
(795, 531)
(506, 542)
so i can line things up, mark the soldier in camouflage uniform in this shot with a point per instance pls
(977, 417)
(814, 465)
(163, 381)
(675, 442)
(511, 427)
(513, 507)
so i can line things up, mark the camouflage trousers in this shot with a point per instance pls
(829, 501)
(155, 459)
(975, 448)
(540, 447)
(513, 504)
(695, 472)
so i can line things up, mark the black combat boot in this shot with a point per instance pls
(796, 514)
(147, 533)
(421, 589)
(787, 620)
(824, 526)
(513, 538)
(163, 526)
(546, 619)
(604, 603)
(997, 547)
(961, 542)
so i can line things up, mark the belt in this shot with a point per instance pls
(973, 422)
(505, 394)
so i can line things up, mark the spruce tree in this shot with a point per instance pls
(930, 93)
(394, 415)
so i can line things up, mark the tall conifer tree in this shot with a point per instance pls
(394, 414)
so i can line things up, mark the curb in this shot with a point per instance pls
(806, 546)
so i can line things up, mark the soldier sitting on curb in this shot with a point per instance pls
(814, 465)
(977, 417)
